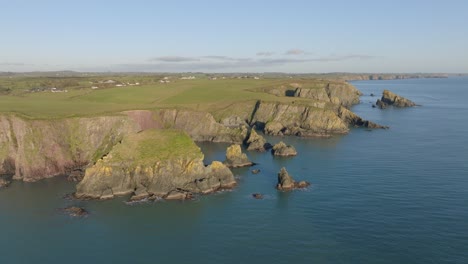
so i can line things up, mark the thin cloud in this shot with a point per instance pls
(174, 59)
(295, 52)
(216, 63)
(345, 57)
(224, 58)
(12, 64)
(265, 53)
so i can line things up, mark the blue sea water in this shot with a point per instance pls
(380, 196)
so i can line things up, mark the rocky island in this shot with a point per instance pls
(389, 98)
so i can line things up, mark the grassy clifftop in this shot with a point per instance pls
(152, 145)
(34, 98)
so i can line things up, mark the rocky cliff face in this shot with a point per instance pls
(337, 93)
(301, 120)
(36, 149)
(201, 126)
(154, 163)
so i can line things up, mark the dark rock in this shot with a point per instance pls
(75, 211)
(76, 176)
(287, 183)
(256, 171)
(4, 183)
(235, 158)
(257, 196)
(373, 106)
(395, 100)
(381, 104)
(281, 149)
(372, 94)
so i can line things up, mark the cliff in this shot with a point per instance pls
(154, 163)
(36, 149)
(300, 120)
(337, 93)
(201, 126)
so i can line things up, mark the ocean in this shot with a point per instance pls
(377, 196)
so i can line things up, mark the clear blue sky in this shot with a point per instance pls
(227, 36)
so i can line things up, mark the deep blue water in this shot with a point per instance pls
(381, 196)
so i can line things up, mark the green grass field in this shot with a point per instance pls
(200, 94)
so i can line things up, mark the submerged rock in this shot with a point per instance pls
(281, 149)
(287, 183)
(256, 171)
(256, 142)
(4, 183)
(151, 164)
(235, 158)
(390, 98)
(257, 196)
(75, 211)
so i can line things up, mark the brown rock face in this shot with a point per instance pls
(287, 183)
(235, 158)
(35, 149)
(395, 100)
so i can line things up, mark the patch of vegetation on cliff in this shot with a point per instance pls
(155, 145)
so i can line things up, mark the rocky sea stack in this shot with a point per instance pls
(281, 149)
(256, 142)
(235, 158)
(389, 98)
(287, 183)
(154, 164)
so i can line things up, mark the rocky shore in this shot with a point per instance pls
(152, 154)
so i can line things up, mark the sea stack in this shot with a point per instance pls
(235, 158)
(287, 183)
(281, 149)
(389, 98)
(256, 142)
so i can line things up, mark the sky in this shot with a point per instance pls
(291, 36)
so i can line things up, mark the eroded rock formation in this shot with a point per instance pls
(281, 149)
(154, 163)
(389, 98)
(235, 158)
(287, 183)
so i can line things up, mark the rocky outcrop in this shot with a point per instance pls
(389, 98)
(202, 126)
(154, 163)
(338, 93)
(287, 183)
(381, 104)
(354, 120)
(35, 149)
(257, 196)
(256, 142)
(281, 149)
(301, 120)
(75, 211)
(235, 158)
